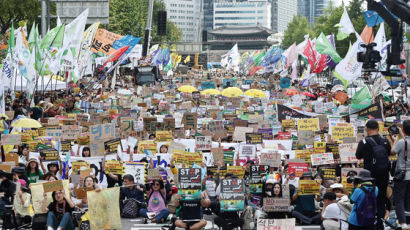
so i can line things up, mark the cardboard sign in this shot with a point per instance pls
(240, 123)
(276, 224)
(53, 186)
(297, 168)
(153, 174)
(54, 133)
(217, 129)
(309, 187)
(340, 132)
(102, 132)
(271, 204)
(309, 124)
(12, 157)
(329, 173)
(320, 147)
(189, 183)
(218, 154)
(112, 145)
(168, 124)
(70, 132)
(103, 41)
(10, 139)
(49, 154)
(253, 138)
(7, 166)
(304, 154)
(347, 152)
(257, 173)
(127, 124)
(150, 124)
(85, 173)
(288, 124)
(240, 133)
(271, 158)
(190, 121)
(232, 194)
(114, 167)
(306, 137)
(163, 136)
(65, 146)
(203, 143)
(322, 159)
(76, 165)
(82, 192)
(246, 151)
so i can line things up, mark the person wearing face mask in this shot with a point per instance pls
(271, 189)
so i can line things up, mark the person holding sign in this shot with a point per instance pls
(112, 179)
(59, 211)
(23, 152)
(271, 189)
(33, 172)
(21, 203)
(191, 212)
(156, 197)
(56, 168)
(130, 195)
(305, 210)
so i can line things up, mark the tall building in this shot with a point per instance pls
(242, 13)
(312, 9)
(187, 16)
(283, 12)
(208, 15)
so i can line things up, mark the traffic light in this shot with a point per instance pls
(162, 23)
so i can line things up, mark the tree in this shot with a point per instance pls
(15, 11)
(130, 17)
(297, 29)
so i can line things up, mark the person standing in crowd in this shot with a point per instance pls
(374, 150)
(401, 188)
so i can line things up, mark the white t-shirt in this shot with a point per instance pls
(294, 182)
(333, 211)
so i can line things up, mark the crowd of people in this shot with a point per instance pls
(313, 181)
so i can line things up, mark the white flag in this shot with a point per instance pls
(291, 55)
(349, 68)
(345, 26)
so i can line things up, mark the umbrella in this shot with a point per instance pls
(308, 94)
(291, 92)
(255, 93)
(187, 89)
(26, 123)
(210, 92)
(337, 88)
(232, 92)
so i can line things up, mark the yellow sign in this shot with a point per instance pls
(236, 170)
(304, 154)
(320, 147)
(189, 158)
(37, 195)
(340, 132)
(147, 145)
(163, 135)
(309, 124)
(288, 123)
(114, 167)
(103, 211)
(309, 187)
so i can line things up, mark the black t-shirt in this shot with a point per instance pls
(365, 151)
(52, 207)
(191, 210)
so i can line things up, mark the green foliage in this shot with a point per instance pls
(14, 11)
(130, 17)
(297, 29)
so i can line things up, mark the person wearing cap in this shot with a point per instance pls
(366, 181)
(365, 151)
(305, 210)
(21, 203)
(33, 172)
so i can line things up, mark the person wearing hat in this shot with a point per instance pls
(305, 210)
(357, 198)
(21, 203)
(37, 111)
(33, 172)
(379, 169)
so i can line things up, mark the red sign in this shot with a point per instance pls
(297, 168)
(284, 135)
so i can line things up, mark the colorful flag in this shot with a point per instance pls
(114, 57)
(54, 38)
(321, 64)
(367, 34)
(310, 54)
(345, 26)
(291, 55)
(187, 59)
(372, 18)
(323, 46)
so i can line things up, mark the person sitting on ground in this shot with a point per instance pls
(156, 197)
(21, 203)
(129, 192)
(332, 216)
(59, 211)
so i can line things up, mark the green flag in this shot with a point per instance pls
(168, 67)
(258, 58)
(362, 98)
(53, 38)
(33, 36)
(323, 46)
(11, 43)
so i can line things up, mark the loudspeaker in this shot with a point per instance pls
(162, 23)
(204, 35)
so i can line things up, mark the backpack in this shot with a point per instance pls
(366, 212)
(130, 209)
(380, 159)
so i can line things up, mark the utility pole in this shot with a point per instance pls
(148, 29)
(43, 18)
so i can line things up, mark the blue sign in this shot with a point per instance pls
(285, 82)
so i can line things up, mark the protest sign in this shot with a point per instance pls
(257, 173)
(154, 174)
(322, 159)
(65, 145)
(373, 110)
(49, 154)
(114, 167)
(150, 124)
(247, 151)
(163, 135)
(189, 183)
(12, 157)
(111, 146)
(288, 124)
(104, 209)
(54, 133)
(334, 148)
(240, 133)
(53, 186)
(297, 168)
(240, 123)
(253, 138)
(217, 129)
(347, 152)
(187, 158)
(304, 154)
(190, 121)
(349, 173)
(218, 154)
(203, 143)
(305, 137)
(147, 145)
(340, 132)
(271, 204)
(228, 156)
(10, 139)
(308, 187)
(308, 124)
(82, 192)
(137, 170)
(76, 166)
(236, 170)
(7, 166)
(284, 135)
(271, 158)
(276, 224)
(37, 195)
(102, 132)
(329, 173)
(320, 147)
(232, 194)
(285, 112)
(266, 133)
(70, 132)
